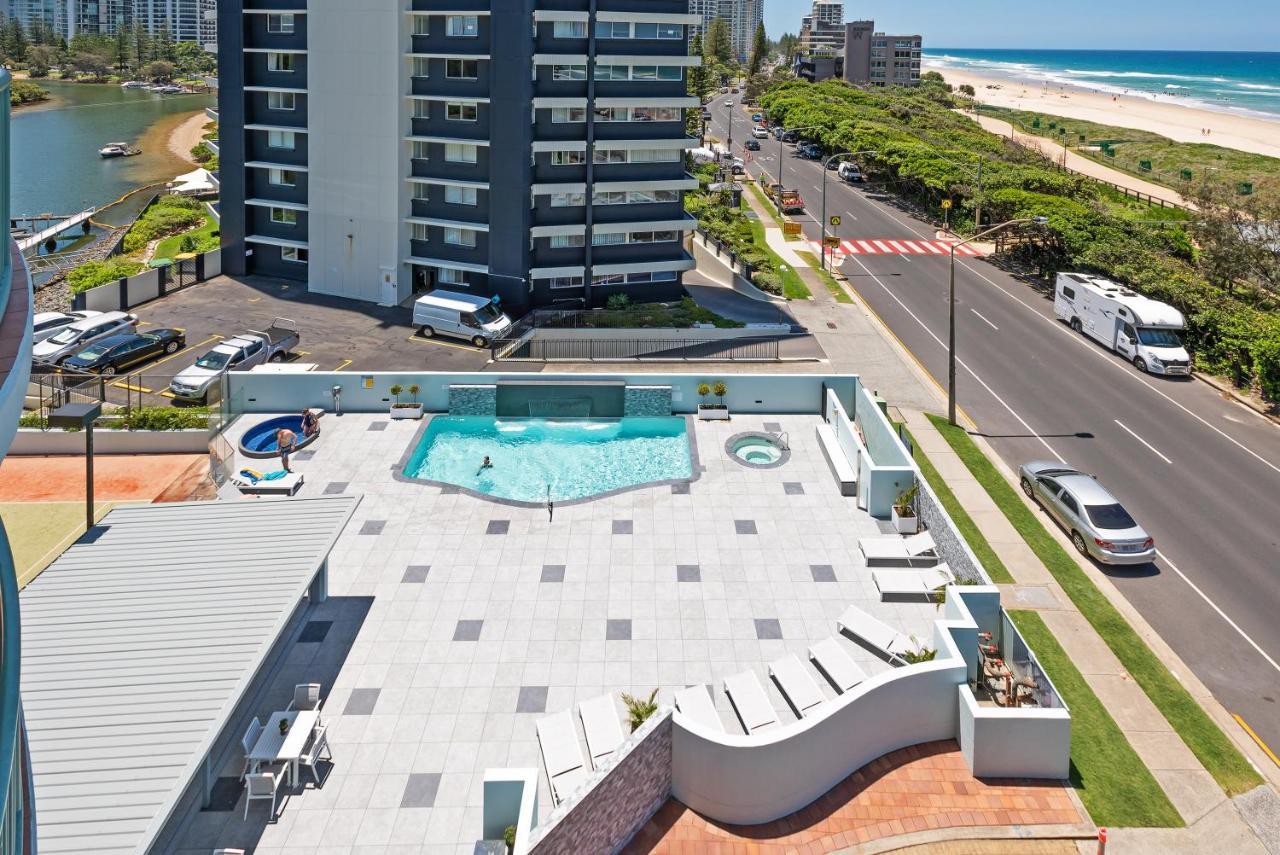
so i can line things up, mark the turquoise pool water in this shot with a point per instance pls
(575, 458)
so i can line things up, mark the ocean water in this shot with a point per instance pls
(1240, 82)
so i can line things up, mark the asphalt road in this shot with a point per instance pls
(1199, 471)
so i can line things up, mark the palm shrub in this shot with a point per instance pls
(639, 709)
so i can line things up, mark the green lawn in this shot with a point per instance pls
(793, 287)
(171, 246)
(972, 534)
(765, 202)
(1113, 783)
(1210, 745)
(841, 295)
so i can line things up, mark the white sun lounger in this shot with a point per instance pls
(561, 754)
(917, 547)
(601, 727)
(695, 702)
(908, 583)
(878, 634)
(797, 686)
(750, 701)
(286, 486)
(839, 666)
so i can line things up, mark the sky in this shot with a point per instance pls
(1082, 24)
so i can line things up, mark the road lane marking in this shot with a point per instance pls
(1266, 749)
(423, 340)
(881, 246)
(899, 247)
(131, 388)
(866, 247)
(1149, 446)
(984, 320)
(343, 364)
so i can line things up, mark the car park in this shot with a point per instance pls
(467, 316)
(72, 338)
(1096, 522)
(47, 324)
(850, 172)
(115, 353)
(751, 145)
(239, 353)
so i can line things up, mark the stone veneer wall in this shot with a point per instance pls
(606, 816)
(473, 400)
(647, 401)
(952, 548)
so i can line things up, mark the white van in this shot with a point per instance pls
(1142, 330)
(467, 316)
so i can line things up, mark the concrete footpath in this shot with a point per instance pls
(1245, 825)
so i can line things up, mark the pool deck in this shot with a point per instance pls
(455, 623)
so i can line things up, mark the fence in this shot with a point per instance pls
(642, 349)
(123, 294)
(720, 248)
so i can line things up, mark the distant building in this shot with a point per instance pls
(816, 68)
(743, 16)
(184, 19)
(878, 59)
(707, 10)
(822, 31)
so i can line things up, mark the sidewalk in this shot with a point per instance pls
(1242, 825)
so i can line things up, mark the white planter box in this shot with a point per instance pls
(406, 412)
(713, 414)
(905, 525)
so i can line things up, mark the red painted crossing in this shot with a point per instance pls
(885, 246)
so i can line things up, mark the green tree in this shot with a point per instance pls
(14, 40)
(193, 60)
(93, 63)
(698, 83)
(759, 50)
(40, 58)
(716, 47)
(787, 45)
(120, 50)
(158, 70)
(141, 45)
(164, 46)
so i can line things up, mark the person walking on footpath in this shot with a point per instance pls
(286, 441)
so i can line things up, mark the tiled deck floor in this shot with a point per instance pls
(915, 789)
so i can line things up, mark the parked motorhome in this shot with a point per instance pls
(1142, 330)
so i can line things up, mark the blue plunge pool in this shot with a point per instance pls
(569, 458)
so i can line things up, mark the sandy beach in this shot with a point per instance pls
(1162, 115)
(186, 135)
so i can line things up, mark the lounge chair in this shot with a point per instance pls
(561, 754)
(876, 633)
(750, 702)
(797, 686)
(913, 583)
(838, 666)
(286, 486)
(600, 726)
(915, 548)
(695, 702)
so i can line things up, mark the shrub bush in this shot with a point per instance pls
(167, 418)
(168, 215)
(94, 273)
(768, 282)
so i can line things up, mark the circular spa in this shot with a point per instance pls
(758, 450)
(259, 441)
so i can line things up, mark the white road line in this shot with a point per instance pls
(867, 248)
(984, 320)
(880, 245)
(899, 247)
(1149, 446)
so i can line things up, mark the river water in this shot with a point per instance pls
(55, 162)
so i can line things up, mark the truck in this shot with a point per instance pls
(1142, 330)
(789, 201)
(238, 353)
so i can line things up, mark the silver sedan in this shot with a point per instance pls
(1099, 525)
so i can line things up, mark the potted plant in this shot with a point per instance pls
(717, 411)
(639, 709)
(509, 838)
(905, 520)
(406, 410)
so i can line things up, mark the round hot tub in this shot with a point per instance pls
(259, 441)
(757, 450)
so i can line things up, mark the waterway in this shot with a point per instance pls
(55, 162)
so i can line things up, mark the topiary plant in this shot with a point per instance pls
(639, 709)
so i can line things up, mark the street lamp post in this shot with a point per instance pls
(785, 131)
(951, 308)
(822, 261)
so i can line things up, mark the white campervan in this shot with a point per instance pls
(1142, 330)
(467, 316)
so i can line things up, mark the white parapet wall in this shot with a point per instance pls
(31, 441)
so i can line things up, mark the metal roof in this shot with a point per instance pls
(137, 646)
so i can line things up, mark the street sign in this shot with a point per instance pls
(833, 241)
(946, 203)
(790, 229)
(835, 220)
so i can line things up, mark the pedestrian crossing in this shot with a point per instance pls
(885, 246)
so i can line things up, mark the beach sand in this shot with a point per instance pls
(1163, 115)
(187, 135)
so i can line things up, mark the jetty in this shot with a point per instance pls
(60, 224)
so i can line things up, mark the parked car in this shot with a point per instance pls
(46, 324)
(452, 313)
(1142, 330)
(850, 172)
(777, 132)
(72, 339)
(1098, 524)
(752, 145)
(790, 136)
(706, 115)
(755, 117)
(235, 354)
(809, 151)
(114, 353)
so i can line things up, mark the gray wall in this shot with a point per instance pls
(952, 548)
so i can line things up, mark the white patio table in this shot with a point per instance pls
(274, 747)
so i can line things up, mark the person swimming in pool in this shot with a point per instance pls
(286, 442)
(487, 464)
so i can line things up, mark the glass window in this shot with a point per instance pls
(613, 30)
(1069, 502)
(568, 158)
(451, 276)
(1113, 517)
(462, 25)
(294, 254)
(563, 115)
(611, 114)
(566, 241)
(279, 61)
(570, 29)
(421, 108)
(670, 72)
(567, 200)
(421, 150)
(283, 177)
(612, 72)
(670, 31)
(421, 25)
(609, 155)
(419, 231)
(1158, 338)
(459, 153)
(455, 195)
(608, 238)
(280, 101)
(644, 72)
(281, 139)
(287, 216)
(645, 31)
(421, 191)
(461, 112)
(459, 237)
(281, 23)
(461, 69)
(421, 66)
(609, 279)
(568, 72)
(565, 282)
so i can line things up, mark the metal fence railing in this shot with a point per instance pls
(641, 349)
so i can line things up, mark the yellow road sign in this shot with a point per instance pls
(791, 229)
(832, 240)
(946, 203)
(835, 220)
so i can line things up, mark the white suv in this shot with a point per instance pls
(760, 133)
(72, 339)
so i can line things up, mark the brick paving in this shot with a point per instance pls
(921, 788)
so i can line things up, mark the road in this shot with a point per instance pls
(1199, 471)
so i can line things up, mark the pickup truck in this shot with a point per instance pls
(242, 352)
(788, 200)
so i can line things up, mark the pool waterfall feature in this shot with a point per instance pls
(560, 399)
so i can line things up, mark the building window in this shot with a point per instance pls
(564, 282)
(634, 197)
(568, 200)
(421, 66)
(459, 237)
(568, 158)
(421, 150)
(280, 101)
(421, 25)
(294, 254)
(281, 23)
(564, 115)
(282, 177)
(421, 108)
(612, 114)
(570, 29)
(419, 231)
(279, 61)
(613, 30)
(461, 112)
(569, 72)
(462, 69)
(608, 238)
(459, 153)
(612, 72)
(421, 191)
(467, 26)
(566, 241)
(655, 114)
(451, 276)
(455, 195)
(637, 155)
(281, 139)
(285, 216)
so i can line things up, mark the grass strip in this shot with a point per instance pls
(172, 245)
(793, 287)
(968, 528)
(1113, 783)
(841, 295)
(1206, 740)
(766, 203)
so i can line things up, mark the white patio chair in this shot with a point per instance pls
(263, 784)
(247, 742)
(317, 749)
(753, 706)
(306, 696)
(876, 633)
(913, 583)
(839, 666)
(916, 548)
(561, 754)
(601, 728)
(696, 703)
(797, 686)
(228, 852)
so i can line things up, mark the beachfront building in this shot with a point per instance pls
(706, 11)
(822, 30)
(743, 16)
(70, 18)
(877, 59)
(536, 154)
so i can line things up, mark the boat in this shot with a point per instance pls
(134, 84)
(171, 90)
(119, 149)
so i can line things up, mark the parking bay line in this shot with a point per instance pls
(343, 364)
(132, 388)
(417, 339)
(1149, 446)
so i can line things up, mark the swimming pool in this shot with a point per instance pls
(573, 458)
